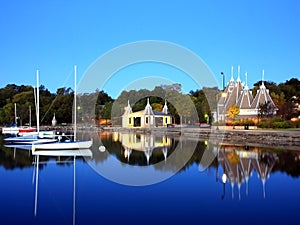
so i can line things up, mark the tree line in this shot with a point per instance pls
(195, 106)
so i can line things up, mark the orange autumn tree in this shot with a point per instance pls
(233, 112)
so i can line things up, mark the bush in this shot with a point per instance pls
(243, 122)
(275, 123)
(283, 125)
(277, 119)
(264, 124)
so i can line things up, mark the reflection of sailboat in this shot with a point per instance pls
(67, 144)
(71, 153)
(147, 143)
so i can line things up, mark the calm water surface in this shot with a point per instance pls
(262, 185)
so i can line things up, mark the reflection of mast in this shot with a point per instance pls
(36, 184)
(72, 153)
(74, 190)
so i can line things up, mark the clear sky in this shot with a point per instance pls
(54, 35)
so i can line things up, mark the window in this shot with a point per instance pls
(147, 120)
(129, 120)
(166, 119)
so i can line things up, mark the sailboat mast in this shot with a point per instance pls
(75, 107)
(16, 121)
(30, 116)
(37, 102)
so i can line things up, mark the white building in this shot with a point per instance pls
(146, 118)
(236, 93)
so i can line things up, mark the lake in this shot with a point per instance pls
(130, 178)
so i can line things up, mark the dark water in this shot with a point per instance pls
(262, 185)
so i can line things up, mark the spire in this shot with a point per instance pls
(148, 108)
(246, 77)
(231, 80)
(128, 109)
(262, 78)
(148, 103)
(165, 108)
(238, 78)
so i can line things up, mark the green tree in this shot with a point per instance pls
(266, 110)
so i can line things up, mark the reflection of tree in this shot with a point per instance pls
(233, 158)
(289, 163)
(183, 149)
(12, 159)
(268, 160)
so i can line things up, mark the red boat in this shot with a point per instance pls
(26, 129)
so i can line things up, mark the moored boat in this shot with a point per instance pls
(67, 145)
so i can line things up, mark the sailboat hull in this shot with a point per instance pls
(63, 145)
(29, 140)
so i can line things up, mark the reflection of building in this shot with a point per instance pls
(236, 93)
(238, 166)
(147, 143)
(146, 118)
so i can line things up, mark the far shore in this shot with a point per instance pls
(253, 136)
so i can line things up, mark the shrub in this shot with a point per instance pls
(275, 123)
(283, 125)
(264, 124)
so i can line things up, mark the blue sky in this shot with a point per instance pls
(54, 35)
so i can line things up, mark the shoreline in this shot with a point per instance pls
(253, 137)
(284, 139)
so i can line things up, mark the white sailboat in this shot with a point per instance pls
(68, 144)
(12, 129)
(36, 136)
(15, 130)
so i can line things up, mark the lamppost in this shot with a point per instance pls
(223, 80)
(217, 112)
(222, 95)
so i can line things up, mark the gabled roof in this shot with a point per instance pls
(245, 99)
(147, 111)
(128, 109)
(233, 93)
(262, 97)
(157, 113)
